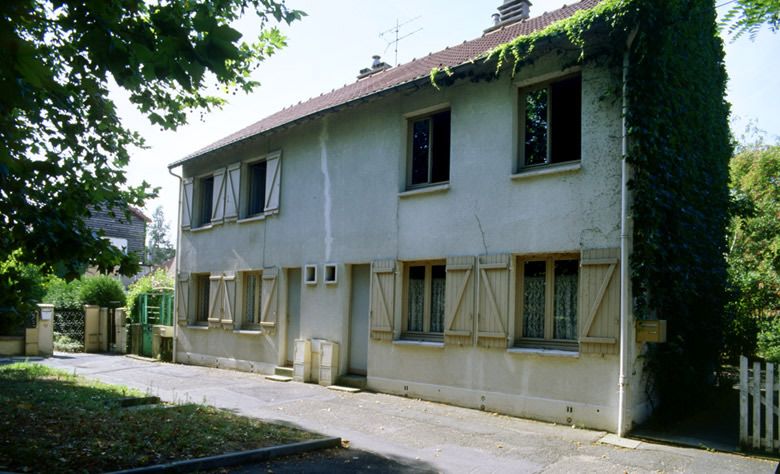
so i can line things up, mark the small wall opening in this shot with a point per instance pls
(331, 274)
(310, 275)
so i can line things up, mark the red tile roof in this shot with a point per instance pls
(397, 76)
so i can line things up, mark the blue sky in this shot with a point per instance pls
(338, 37)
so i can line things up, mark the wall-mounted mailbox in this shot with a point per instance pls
(46, 313)
(651, 330)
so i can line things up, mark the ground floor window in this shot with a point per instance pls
(251, 300)
(424, 285)
(547, 301)
(202, 298)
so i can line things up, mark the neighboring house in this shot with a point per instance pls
(129, 235)
(460, 245)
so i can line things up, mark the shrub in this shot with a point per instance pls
(769, 339)
(24, 284)
(63, 294)
(103, 291)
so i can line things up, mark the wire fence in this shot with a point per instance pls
(69, 330)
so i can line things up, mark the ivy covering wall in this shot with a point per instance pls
(679, 148)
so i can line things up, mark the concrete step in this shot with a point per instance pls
(354, 381)
(278, 378)
(284, 371)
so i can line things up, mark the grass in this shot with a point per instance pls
(52, 421)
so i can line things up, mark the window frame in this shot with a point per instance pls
(245, 196)
(257, 303)
(545, 82)
(411, 119)
(201, 294)
(426, 334)
(197, 221)
(548, 341)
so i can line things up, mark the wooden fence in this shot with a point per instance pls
(758, 406)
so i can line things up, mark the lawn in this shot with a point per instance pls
(52, 421)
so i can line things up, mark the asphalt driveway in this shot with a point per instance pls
(420, 435)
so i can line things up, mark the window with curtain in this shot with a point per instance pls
(425, 299)
(251, 300)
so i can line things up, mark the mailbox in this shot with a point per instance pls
(651, 330)
(46, 313)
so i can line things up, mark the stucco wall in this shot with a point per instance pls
(342, 201)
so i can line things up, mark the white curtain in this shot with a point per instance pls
(437, 304)
(533, 306)
(416, 305)
(566, 306)
(249, 300)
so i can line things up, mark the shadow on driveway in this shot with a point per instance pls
(335, 460)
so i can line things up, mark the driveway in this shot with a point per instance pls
(415, 433)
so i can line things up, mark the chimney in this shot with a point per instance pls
(510, 12)
(376, 66)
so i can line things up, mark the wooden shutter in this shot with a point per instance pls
(269, 300)
(218, 203)
(382, 299)
(273, 178)
(182, 296)
(493, 313)
(599, 301)
(186, 203)
(232, 191)
(215, 298)
(228, 299)
(459, 305)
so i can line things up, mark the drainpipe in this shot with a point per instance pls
(178, 257)
(623, 422)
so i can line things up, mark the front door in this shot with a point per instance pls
(358, 319)
(293, 311)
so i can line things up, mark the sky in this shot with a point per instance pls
(328, 47)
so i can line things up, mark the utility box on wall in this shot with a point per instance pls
(302, 360)
(329, 362)
(651, 330)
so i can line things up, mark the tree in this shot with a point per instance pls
(159, 247)
(63, 148)
(747, 16)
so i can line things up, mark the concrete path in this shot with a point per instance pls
(425, 435)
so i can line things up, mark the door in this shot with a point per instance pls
(293, 311)
(358, 319)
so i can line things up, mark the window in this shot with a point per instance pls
(429, 156)
(550, 122)
(251, 304)
(547, 294)
(202, 298)
(256, 183)
(205, 200)
(424, 308)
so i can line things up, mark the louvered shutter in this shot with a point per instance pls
(232, 191)
(273, 179)
(186, 203)
(215, 298)
(228, 299)
(459, 305)
(218, 203)
(269, 300)
(182, 296)
(493, 313)
(599, 301)
(382, 299)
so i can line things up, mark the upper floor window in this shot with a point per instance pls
(256, 184)
(550, 122)
(205, 194)
(429, 156)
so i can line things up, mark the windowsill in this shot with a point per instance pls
(544, 170)
(407, 342)
(202, 228)
(248, 332)
(255, 218)
(544, 352)
(436, 188)
(199, 327)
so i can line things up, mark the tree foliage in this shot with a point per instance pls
(153, 281)
(159, 247)
(747, 16)
(63, 148)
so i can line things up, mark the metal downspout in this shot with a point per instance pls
(178, 256)
(623, 423)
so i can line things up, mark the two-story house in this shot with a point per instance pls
(460, 244)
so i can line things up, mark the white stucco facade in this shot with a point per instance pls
(344, 200)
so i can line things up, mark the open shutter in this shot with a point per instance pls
(232, 191)
(182, 296)
(459, 305)
(382, 299)
(273, 178)
(269, 299)
(228, 299)
(493, 314)
(186, 203)
(218, 203)
(599, 301)
(215, 298)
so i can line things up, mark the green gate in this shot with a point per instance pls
(154, 308)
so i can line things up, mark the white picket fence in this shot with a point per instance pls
(758, 409)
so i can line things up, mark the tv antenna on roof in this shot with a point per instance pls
(395, 34)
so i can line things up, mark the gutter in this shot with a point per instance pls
(624, 418)
(178, 258)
